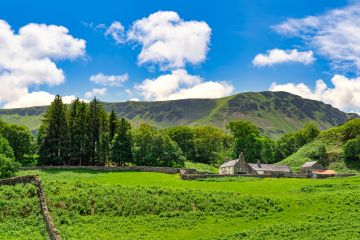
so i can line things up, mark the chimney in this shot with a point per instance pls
(241, 156)
(258, 163)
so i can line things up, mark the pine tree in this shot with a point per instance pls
(122, 143)
(113, 123)
(83, 133)
(97, 128)
(55, 143)
(78, 130)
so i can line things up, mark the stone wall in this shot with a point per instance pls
(109, 169)
(200, 176)
(49, 223)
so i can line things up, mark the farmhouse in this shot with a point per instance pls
(309, 167)
(236, 166)
(240, 166)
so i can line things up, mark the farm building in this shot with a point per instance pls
(309, 167)
(268, 169)
(239, 166)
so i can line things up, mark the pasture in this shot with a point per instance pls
(137, 205)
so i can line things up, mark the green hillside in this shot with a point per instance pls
(274, 112)
(332, 139)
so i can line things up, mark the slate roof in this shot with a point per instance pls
(269, 167)
(230, 163)
(309, 164)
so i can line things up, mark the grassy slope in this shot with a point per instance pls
(31, 121)
(128, 205)
(274, 112)
(332, 139)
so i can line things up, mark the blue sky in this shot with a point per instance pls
(218, 59)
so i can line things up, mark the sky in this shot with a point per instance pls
(164, 50)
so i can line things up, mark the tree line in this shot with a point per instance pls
(85, 134)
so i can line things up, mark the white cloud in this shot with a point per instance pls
(169, 41)
(134, 99)
(277, 56)
(179, 84)
(109, 80)
(39, 98)
(96, 92)
(116, 31)
(335, 35)
(344, 95)
(28, 58)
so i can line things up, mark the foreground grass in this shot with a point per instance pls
(136, 205)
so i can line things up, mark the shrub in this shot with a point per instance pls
(8, 167)
(352, 149)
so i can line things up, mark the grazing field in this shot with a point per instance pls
(138, 205)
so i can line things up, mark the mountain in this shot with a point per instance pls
(274, 112)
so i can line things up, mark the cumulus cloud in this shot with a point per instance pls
(277, 56)
(169, 41)
(117, 32)
(179, 84)
(335, 35)
(345, 93)
(95, 92)
(109, 80)
(39, 98)
(28, 58)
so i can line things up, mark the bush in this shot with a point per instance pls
(352, 149)
(8, 167)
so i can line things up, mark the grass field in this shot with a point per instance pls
(137, 205)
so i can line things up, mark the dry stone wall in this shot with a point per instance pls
(49, 223)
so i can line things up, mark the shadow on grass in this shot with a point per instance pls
(86, 170)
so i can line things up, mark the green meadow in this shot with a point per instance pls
(139, 205)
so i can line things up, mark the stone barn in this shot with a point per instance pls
(269, 169)
(309, 167)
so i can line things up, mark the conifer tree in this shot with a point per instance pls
(122, 143)
(113, 122)
(54, 148)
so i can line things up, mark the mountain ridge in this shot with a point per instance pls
(274, 112)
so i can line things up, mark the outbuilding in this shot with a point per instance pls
(269, 169)
(309, 167)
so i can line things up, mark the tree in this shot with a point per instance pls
(8, 166)
(122, 143)
(352, 149)
(155, 148)
(209, 143)
(246, 139)
(55, 148)
(351, 129)
(267, 153)
(113, 123)
(165, 152)
(20, 139)
(291, 142)
(143, 142)
(185, 138)
(97, 124)
(309, 132)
